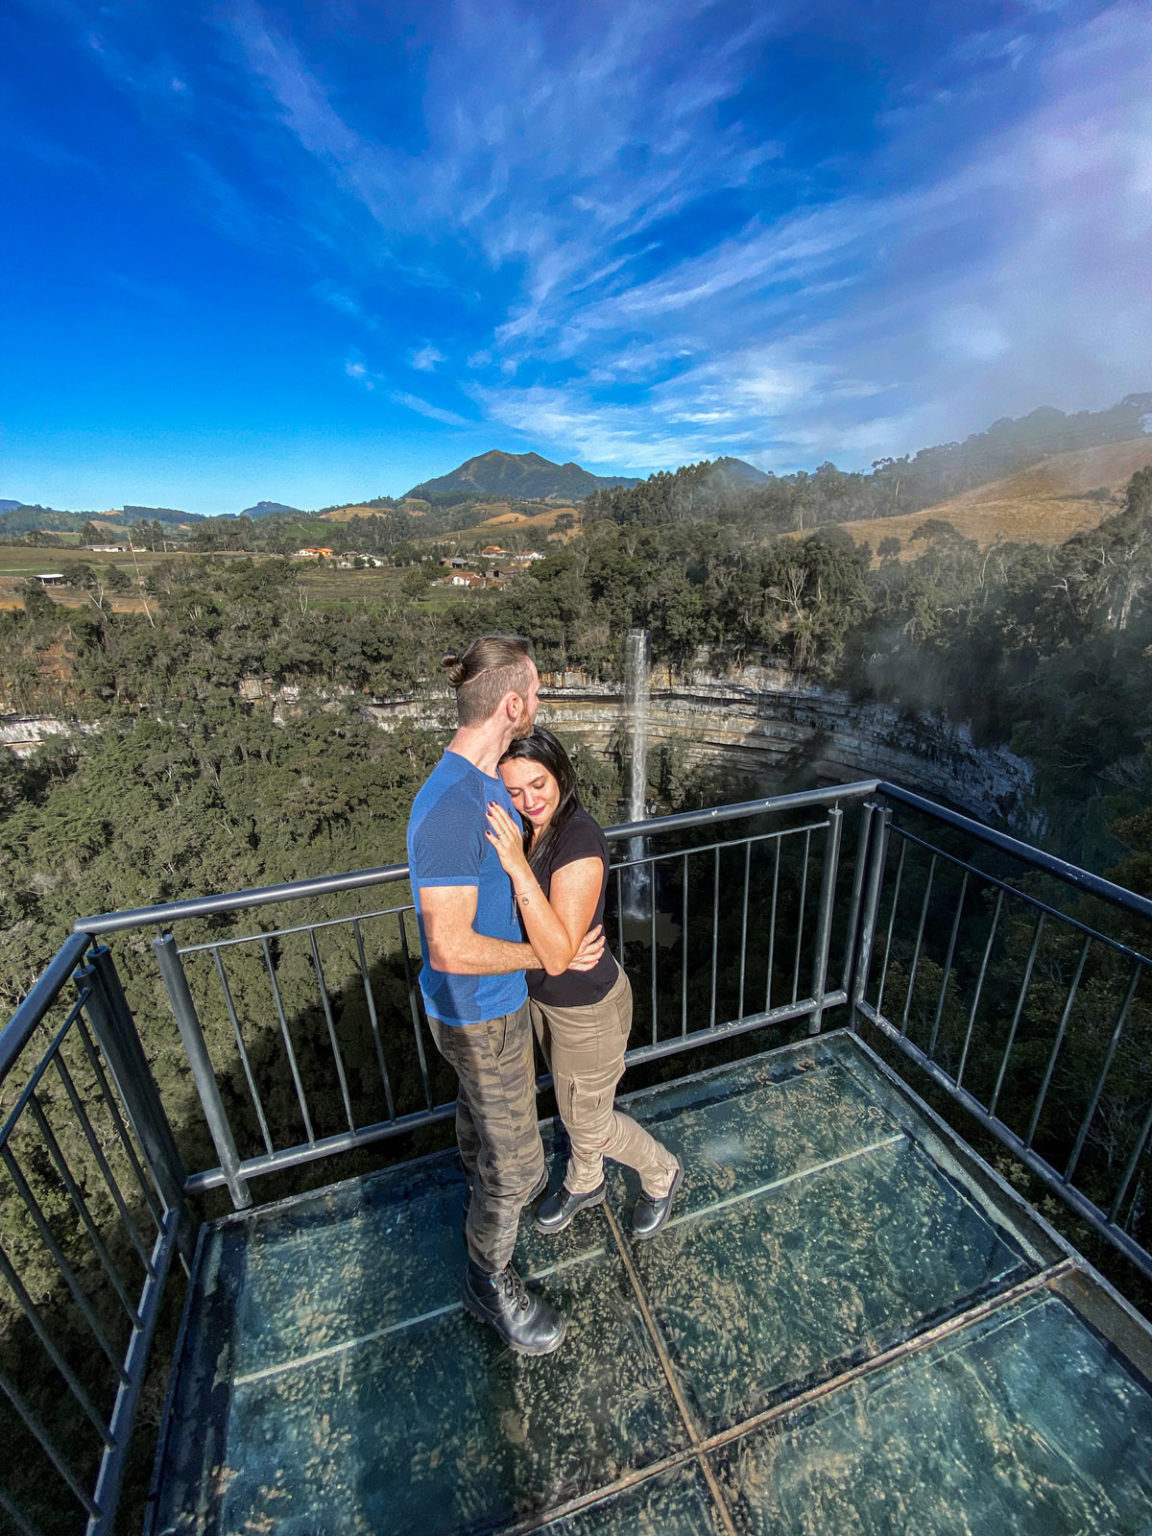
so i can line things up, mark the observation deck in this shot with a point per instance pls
(851, 1323)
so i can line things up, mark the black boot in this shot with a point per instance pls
(525, 1321)
(554, 1214)
(650, 1213)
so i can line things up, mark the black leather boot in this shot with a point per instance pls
(524, 1320)
(554, 1214)
(650, 1214)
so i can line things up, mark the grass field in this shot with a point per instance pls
(323, 585)
(1042, 505)
(506, 517)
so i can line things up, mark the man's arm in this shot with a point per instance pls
(454, 946)
(448, 913)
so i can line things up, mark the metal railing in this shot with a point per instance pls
(1022, 986)
(991, 966)
(92, 1216)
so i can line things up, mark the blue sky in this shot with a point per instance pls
(316, 252)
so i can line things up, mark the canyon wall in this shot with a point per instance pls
(764, 718)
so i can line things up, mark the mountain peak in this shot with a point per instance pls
(521, 476)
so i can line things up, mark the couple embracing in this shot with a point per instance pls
(509, 873)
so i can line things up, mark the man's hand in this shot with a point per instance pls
(591, 948)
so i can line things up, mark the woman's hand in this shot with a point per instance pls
(507, 837)
(587, 957)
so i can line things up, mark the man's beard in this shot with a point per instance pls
(524, 726)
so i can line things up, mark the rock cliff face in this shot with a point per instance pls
(767, 719)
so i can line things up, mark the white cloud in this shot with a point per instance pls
(426, 358)
(433, 412)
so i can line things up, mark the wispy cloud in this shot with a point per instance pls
(433, 412)
(656, 233)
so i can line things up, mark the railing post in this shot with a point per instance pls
(878, 856)
(115, 1029)
(188, 1023)
(824, 917)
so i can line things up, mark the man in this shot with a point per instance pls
(473, 980)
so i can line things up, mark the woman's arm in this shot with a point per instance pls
(555, 926)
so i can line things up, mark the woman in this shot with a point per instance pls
(558, 864)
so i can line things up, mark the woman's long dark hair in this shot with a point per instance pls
(540, 746)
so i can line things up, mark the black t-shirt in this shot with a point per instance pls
(579, 838)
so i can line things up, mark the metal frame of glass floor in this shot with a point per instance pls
(850, 1324)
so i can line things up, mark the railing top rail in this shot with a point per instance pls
(1070, 874)
(325, 885)
(34, 1008)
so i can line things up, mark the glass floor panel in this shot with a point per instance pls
(847, 1325)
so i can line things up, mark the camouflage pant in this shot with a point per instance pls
(496, 1127)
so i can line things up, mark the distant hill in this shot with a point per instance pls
(270, 509)
(735, 475)
(160, 515)
(1064, 494)
(521, 476)
(10, 506)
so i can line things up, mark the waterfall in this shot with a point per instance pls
(637, 682)
(636, 693)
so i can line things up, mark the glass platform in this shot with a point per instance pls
(848, 1325)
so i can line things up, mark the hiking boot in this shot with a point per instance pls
(651, 1214)
(524, 1320)
(554, 1214)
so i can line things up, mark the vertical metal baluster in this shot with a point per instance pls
(1059, 1041)
(1109, 1054)
(948, 967)
(1019, 1010)
(824, 917)
(896, 885)
(800, 917)
(286, 1036)
(97, 1151)
(650, 865)
(744, 922)
(105, 1088)
(330, 1021)
(620, 913)
(47, 1445)
(25, 1527)
(111, 1017)
(980, 986)
(715, 931)
(862, 957)
(56, 1153)
(684, 945)
(853, 921)
(772, 924)
(253, 1091)
(1133, 1164)
(32, 1315)
(371, 1002)
(919, 945)
(48, 1237)
(203, 1074)
(414, 1010)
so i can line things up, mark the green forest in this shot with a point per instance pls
(219, 741)
(180, 782)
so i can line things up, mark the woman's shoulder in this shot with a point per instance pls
(581, 837)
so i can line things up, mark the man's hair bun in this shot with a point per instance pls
(454, 667)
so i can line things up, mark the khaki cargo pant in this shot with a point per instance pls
(585, 1049)
(496, 1127)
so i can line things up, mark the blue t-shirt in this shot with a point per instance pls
(447, 846)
